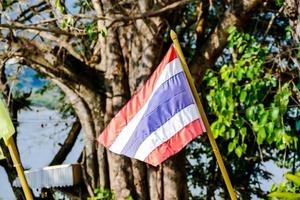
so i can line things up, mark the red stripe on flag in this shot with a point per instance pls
(175, 143)
(121, 119)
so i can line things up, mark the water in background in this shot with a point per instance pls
(42, 130)
(40, 133)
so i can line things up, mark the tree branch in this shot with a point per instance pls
(15, 25)
(89, 136)
(60, 41)
(154, 13)
(67, 146)
(214, 45)
(46, 60)
(41, 6)
(150, 13)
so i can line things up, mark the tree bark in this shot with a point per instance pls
(99, 86)
(207, 54)
(292, 11)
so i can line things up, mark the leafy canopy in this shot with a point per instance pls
(247, 98)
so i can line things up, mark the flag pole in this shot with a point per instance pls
(203, 116)
(17, 163)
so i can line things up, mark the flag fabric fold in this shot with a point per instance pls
(6, 126)
(159, 120)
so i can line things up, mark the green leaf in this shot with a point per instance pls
(250, 113)
(129, 198)
(225, 72)
(223, 100)
(279, 2)
(244, 147)
(278, 133)
(261, 135)
(243, 96)
(270, 131)
(209, 74)
(104, 32)
(241, 48)
(231, 146)
(91, 31)
(239, 151)
(231, 133)
(287, 195)
(222, 129)
(286, 139)
(250, 73)
(63, 24)
(293, 178)
(239, 122)
(270, 127)
(274, 113)
(215, 130)
(243, 131)
(255, 126)
(231, 29)
(212, 81)
(70, 21)
(247, 36)
(263, 118)
(59, 6)
(240, 73)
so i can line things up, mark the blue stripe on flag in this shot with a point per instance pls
(172, 96)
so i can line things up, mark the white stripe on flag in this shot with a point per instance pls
(167, 130)
(172, 68)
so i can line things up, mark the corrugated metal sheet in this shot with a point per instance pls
(54, 176)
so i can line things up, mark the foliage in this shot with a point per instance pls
(289, 189)
(105, 194)
(68, 23)
(247, 98)
(6, 4)
(92, 33)
(51, 97)
(249, 102)
(279, 2)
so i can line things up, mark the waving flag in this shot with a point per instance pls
(159, 120)
(6, 126)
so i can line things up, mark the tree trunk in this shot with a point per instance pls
(292, 11)
(215, 43)
(98, 85)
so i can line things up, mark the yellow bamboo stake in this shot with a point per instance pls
(203, 116)
(17, 163)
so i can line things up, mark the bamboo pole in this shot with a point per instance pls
(203, 116)
(17, 163)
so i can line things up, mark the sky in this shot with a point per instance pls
(41, 130)
(39, 134)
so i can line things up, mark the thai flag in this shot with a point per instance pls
(159, 120)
